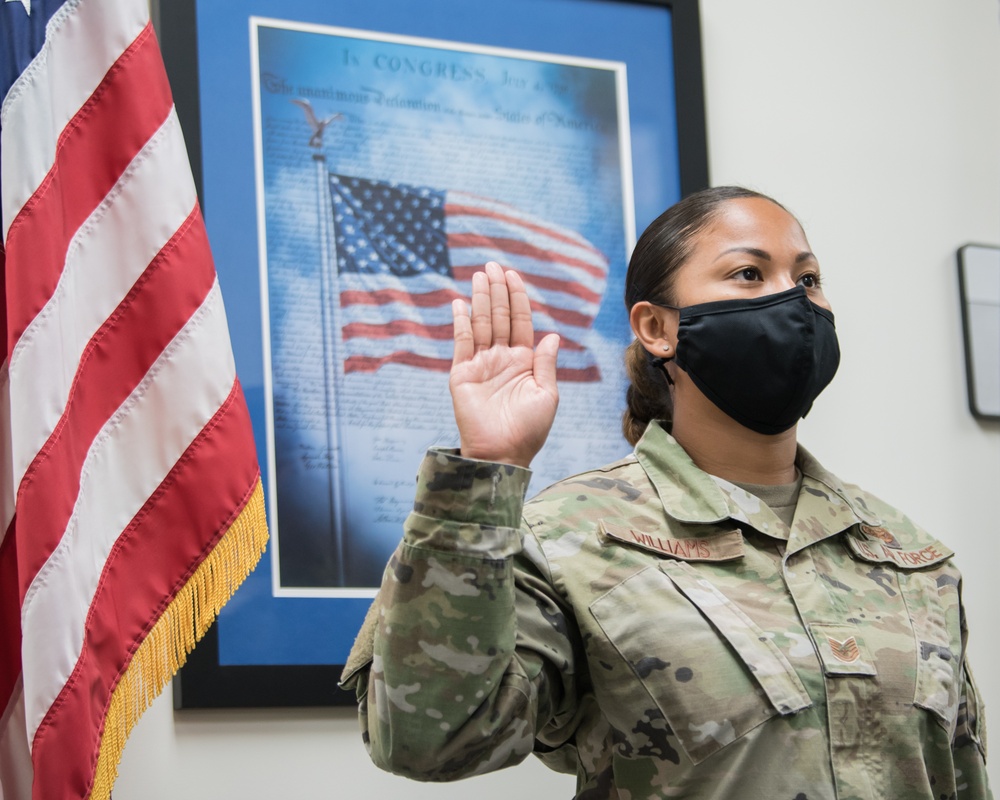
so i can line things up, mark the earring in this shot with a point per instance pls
(666, 348)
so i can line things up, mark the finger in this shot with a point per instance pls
(482, 324)
(464, 349)
(499, 304)
(544, 364)
(521, 332)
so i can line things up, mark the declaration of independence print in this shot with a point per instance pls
(388, 170)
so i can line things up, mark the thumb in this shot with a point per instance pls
(544, 363)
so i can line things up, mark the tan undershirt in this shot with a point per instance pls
(781, 499)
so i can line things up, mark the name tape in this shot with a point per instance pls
(723, 546)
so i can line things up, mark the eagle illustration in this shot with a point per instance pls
(317, 125)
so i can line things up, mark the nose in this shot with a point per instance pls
(782, 283)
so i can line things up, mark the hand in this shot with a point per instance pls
(502, 387)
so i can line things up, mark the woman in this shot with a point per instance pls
(715, 616)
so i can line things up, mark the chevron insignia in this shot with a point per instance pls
(846, 651)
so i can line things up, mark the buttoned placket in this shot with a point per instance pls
(852, 691)
(849, 672)
(850, 675)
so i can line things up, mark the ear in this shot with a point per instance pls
(655, 327)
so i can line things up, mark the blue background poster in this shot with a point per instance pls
(436, 159)
(548, 134)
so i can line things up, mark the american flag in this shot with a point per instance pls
(130, 494)
(405, 252)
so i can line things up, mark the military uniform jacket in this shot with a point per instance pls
(661, 633)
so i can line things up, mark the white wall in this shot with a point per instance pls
(878, 123)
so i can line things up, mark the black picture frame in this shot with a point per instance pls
(204, 682)
(979, 270)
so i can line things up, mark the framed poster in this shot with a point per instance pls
(356, 165)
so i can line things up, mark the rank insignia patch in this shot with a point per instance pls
(846, 651)
(842, 649)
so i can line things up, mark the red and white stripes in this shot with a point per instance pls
(127, 450)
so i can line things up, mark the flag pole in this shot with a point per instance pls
(329, 302)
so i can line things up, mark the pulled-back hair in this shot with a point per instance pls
(661, 251)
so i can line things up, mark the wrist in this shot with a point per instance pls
(452, 487)
(522, 460)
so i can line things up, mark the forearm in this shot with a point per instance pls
(447, 694)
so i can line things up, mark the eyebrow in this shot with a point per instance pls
(764, 255)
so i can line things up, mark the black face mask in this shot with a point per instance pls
(763, 361)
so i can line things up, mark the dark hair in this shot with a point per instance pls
(661, 251)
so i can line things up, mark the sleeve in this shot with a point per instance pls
(465, 654)
(969, 741)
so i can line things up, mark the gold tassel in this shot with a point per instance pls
(179, 628)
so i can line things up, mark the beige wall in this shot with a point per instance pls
(878, 123)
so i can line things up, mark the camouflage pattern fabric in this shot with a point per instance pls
(661, 633)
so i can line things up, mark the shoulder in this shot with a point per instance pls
(565, 523)
(877, 519)
(620, 482)
(574, 510)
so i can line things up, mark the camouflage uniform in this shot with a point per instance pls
(661, 633)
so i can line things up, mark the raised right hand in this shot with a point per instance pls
(503, 388)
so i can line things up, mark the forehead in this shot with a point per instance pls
(752, 222)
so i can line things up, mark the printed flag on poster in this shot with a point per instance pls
(130, 492)
(403, 253)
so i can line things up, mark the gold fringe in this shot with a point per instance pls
(179, 628)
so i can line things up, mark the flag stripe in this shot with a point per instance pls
(405, 357)
(454, 209)
(196, 503)
(369, 364)
(499, 209)
(6, 456)
(385, 296)
(542, 301)
(441, 316)
(443, 333)
(566, 345)
(470, 260)
(465, 273)
(559, 292)
(83, 41)
(115, 361)
(574, 356)
(569, 325)
(587, 374)
(563, 316)
(15, 758)
(44, 227)
(107, 256)
(520, 248)
(428, 291)
(492, 227)
(396, 327)
(10, 619)
(182, 391)
(431, 316)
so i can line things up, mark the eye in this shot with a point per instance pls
(810, 280)
(749, 274)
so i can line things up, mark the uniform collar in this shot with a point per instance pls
(825, 507)
(691, 495)
(688, 494)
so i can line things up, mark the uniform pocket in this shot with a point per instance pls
(713, 673)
